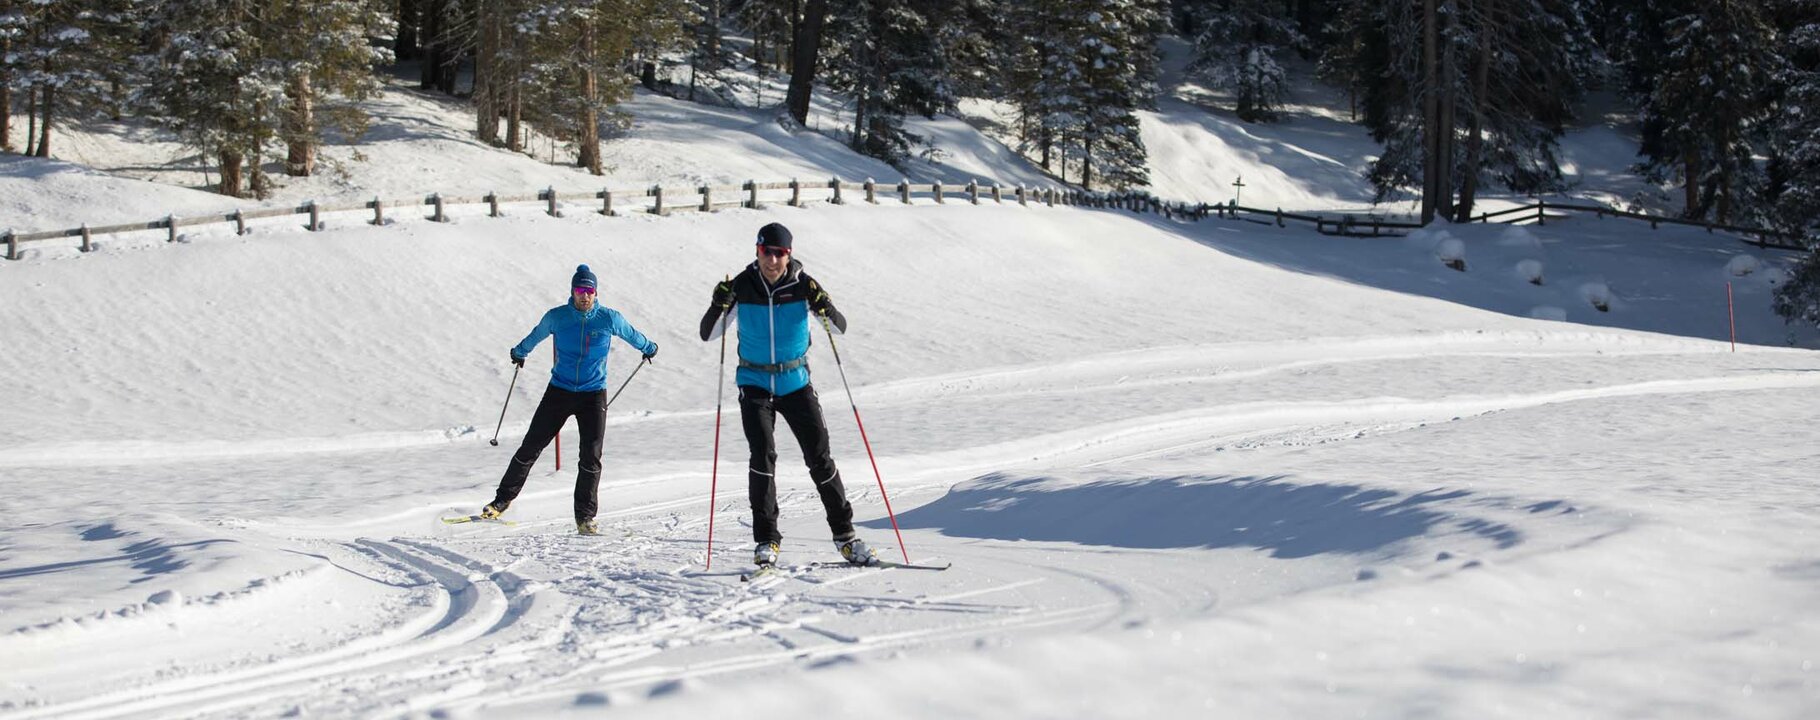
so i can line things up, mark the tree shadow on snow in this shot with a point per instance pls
(1291, 520)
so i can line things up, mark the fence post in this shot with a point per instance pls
(1020, 195)
(239, 222)
(315, 220)
(938, 192)
(707, 198)
(378, 211)
(1541, 211)
(796, 193)
(871, 191)
(997, 193)
(12, 245)
(835, 183)
(170, 226)
(1279, 217)
(552, 196)
(752, 186)
(657, 205)
(973, 191)
(903, 189)
(492, 199)
(606, 202)
(436, 199)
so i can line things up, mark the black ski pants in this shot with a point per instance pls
(590, 412)
(758, 411)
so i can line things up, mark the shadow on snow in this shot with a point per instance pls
(1291, 520)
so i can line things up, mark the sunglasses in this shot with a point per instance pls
(585, 290)
(775, 252)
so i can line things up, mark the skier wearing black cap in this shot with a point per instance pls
(772, 301)
(583, 332)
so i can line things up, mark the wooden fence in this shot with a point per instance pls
(708, 198)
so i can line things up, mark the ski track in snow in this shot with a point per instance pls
(495, 601)
(1123, 372)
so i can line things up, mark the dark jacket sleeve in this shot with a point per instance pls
(822, 305)
(709, 320)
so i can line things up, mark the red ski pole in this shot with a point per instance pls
(720, 394)
(866, 442)
(1732, 314)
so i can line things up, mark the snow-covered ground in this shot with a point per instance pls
(1181, 470)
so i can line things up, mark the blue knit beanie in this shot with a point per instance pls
(583, 278)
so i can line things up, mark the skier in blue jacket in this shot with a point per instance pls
(583, 332)
(772, 301)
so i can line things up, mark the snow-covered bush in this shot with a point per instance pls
(1598, 294)
(1451, 252)
(1530, 271)
(1743, 264)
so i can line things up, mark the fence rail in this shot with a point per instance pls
(660, 200)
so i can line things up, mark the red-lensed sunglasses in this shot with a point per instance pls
(585, 290)
(774, 251)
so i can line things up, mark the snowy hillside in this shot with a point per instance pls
(1215, 469)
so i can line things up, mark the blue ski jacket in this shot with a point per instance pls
(774, 327)
(582, 342)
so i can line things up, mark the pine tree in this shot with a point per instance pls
(1083, 69)
(1706, 102)
(1117, 57)
(212, 84)
(68, 55)
(884, 54)
(1484, 98)
(322, 47)
(12, 30)
(575, 55)
(1236, 49)
(1797, 143)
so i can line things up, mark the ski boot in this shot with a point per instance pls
(587, 527)
(765, 555)
(856, 552)
(493, 511)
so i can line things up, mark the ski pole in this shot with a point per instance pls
(862, 438)
(714, 475)
(502, 408)
(622, 386)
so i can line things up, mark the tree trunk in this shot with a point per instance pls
(807, 44)
(1475, 139)
(647, 74)
(486, 88)
(231, 161)
(1445, 162)
(787, 59)
(515, 139)
(6, 100)
(44, 128)
(713, 20)
(300, 127)
(859, 114)
(1431, 116)
(1087, 163)
(1692, 164)
(405, 46)
(588, 141)
(31, 120)
(430, 39)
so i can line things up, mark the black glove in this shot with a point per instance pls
(723, 294)
(516, 360)
(651, 354)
